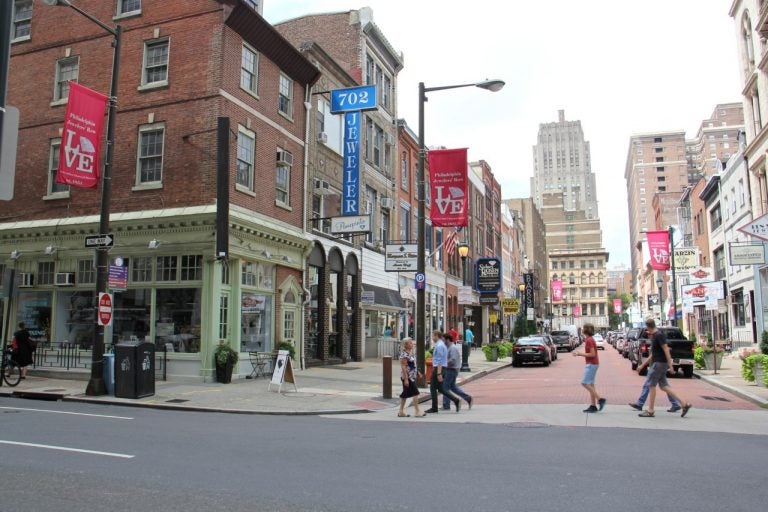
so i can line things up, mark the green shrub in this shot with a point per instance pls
(764, 343)
(698, 357)
(287, 345)
(505, 349)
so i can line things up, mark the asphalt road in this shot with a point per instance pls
(170, 460)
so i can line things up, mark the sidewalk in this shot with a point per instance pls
(355, 387)
(729, 378)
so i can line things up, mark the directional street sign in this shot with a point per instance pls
(758, 228)
(92, 241)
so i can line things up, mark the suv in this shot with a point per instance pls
(562, 339)
(680, 348)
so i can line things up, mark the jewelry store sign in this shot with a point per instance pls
(351, 224)
(401, 258)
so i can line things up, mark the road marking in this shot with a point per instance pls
(70, 413)
(65, 449)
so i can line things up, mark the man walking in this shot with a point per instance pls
(452, 373)
(469, 337)
(675, 405)
(590, 370)
(439, 363)
(661, 363)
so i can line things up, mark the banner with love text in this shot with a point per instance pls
(658, 246)
(448, 187)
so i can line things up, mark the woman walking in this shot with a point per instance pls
(408, 377)
(24, 351)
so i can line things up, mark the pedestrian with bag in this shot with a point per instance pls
(452, 374)
(661, 363)
(439, 364)
(408, 377)
(23, 352)
(590, 369)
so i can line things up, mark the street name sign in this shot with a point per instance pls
(92, 241)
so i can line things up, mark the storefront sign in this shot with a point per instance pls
(701, 275)
(653, 300)
(488, 275)
(448, 185)
(747, 254)
(530, 297)
(367, 297)
(758, 228)
(686, 258)
(531, 314)
(510, 306)
(401, 257)
(489, 299)
(699, 292)
(466, 296)
(350, 202)
(351, 224)
(353, 99)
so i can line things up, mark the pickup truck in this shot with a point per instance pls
(562, 339)
(680, 348)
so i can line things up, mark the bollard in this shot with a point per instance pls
(387, 377)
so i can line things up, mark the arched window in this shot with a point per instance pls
(572, 279)
(554, 277)
(746, 38)
(591, 278)
(600, 278)
(583, 278)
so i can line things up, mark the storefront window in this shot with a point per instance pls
(75, 318)
(131, 316)
(177, 319)
(256, 322)
(35, 311)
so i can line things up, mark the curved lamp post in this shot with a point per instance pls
(463, 250)
(490, 85)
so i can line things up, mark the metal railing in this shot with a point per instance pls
(389, 347)
(73, 356)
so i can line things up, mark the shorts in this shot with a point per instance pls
(657, 375)
(590, 372)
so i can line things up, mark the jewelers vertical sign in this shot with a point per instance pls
(352, 102)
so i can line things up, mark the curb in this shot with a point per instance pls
(746, 395)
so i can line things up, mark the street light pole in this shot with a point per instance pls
(674, 277)
(493, 86)
(96, 385)
(660, 284)
(463, 250)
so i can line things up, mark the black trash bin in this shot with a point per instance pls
(134, 370)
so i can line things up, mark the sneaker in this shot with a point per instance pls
(686, 408)
(431, 411)
(469, 402)
(635, 406)
(674, 408)
(601, 404)
(591, 408)
(457, 403)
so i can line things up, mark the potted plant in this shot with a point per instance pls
(713, 355)
(287, 345)
(225, 358)
(491, 351)
(753, 365)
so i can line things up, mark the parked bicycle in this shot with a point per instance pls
(11, 370)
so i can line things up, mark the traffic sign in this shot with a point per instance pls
(105, 309)
(92, 241)
(421, 281)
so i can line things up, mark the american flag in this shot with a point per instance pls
(450, 242)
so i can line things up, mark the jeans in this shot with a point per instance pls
(449, 384)
(436, 386)
(647, 389)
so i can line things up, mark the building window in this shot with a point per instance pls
(128, 6)
(285, 98)
(141, 269)
(45, 272)
(659, 158)
(66, 70)
(249, 70)
(741, 192)
(404, 177)
(757, 120)
(191, 267)
(369, 207)
(22, 19)
(749, 50)
(150, 158)
(405, 224)
(86, 272)
(246, 153)
(283, 177)
(570, 240)
(258, 275)
(656, 140)
(715, 217)
(384, 228)
(53, 167)
(166, 268)
(658, 150)
(737, 305)
(155, 63)
(224, 317)
(718, 256)
(289, 324)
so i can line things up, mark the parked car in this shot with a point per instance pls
(531, 349)
(599, 341)
(551, 345)
(680, 348)
(563, 340)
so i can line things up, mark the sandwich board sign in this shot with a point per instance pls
(283, 372)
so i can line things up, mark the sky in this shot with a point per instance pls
(619, 66)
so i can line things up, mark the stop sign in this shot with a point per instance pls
(105, 309)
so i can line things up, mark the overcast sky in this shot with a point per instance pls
(619, 66)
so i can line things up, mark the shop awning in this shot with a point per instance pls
(383, 297)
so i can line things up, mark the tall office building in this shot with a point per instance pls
(562, 164)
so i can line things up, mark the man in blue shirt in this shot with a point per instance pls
(439, 365)
(469, 337)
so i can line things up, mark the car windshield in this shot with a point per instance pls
(530, 341)
(560, 333)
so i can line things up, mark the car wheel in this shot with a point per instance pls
(546, 363)
(688, 372)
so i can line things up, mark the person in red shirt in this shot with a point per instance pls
(590, 370)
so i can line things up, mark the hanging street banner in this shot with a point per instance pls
(448, 187)
(81, 139)
(658, 246)
(746, 254)
(401, 257)
(616, 306)
(576, 311)
(557, 290)
(466, 295)
(488, 275)
(701, 275)
(757, 228)
(530, 297)
(686, 258)
(653, 300)
(698, 292)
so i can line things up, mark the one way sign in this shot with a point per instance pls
(758, 228)
(92, 241)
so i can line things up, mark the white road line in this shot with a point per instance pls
(67, 412)
(65, 449)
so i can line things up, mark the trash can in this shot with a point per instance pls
(109, 373)
(134, 370)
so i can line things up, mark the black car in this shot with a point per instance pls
(531, 349)
(562, 340)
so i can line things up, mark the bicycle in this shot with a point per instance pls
(11, 369)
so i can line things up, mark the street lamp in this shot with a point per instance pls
(660, 283)
(674, 277)
(490, 85)
(96, 384)
(463, 249)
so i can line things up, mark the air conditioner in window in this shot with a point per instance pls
(26, 280)
(65, 279)
(322, 187)
(322, 137)
(284, 158)
(387, 202)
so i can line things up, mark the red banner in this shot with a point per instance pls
(557, 291)
(83, 124)
(658, 245)
(576, 311)
(616, 306)
(448, 187)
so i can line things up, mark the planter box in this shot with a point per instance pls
(759, 372)
(713, 358)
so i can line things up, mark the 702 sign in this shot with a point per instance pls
(353, 99)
